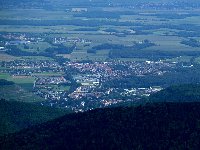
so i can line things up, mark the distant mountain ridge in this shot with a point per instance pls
(49, 4)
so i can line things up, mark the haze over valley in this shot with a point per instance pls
(69, 58)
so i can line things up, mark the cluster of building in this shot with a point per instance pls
(17, 39)
(119, 69)
(61, 40)
(50, 80)
(29, 67)
(141, 91)
(48, 87)
(90, 78)
(79, 9)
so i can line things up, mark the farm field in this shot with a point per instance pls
(25, 82)
(17, 93)
(6, 57)
(164, 38)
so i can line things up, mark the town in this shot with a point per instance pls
(84, 86)
(81, 85)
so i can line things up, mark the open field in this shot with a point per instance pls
(180, 59)
(25, 82)
(60, 88)
(197, 60)
(16, 93)
(6, 57)
(35, 47)
(33, 14)
(36, 58)
(144, 22)
(17, 79)
(48, 74)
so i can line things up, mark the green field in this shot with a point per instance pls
(180, 59)
(164, 38)
(35, 47)
(36, 58)
(17, 93)
(17, 79)
(25, 82)
(33, 14)
(20, 91)
(48, 74)
(197, 60)
(60, 88)
(6, 57)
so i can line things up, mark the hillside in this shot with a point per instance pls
(15, 116)
(154, 126)
(13, 92)
(179, 93)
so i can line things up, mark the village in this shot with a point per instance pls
(80, 85)
(51, 83)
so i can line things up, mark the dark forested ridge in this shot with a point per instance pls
(153, 126)
(5, 82)
(178, 93)
(15, 116)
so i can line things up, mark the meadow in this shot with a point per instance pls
(17, 93)
(160, 27)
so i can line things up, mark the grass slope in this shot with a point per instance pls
(154, 126)
(17, 93)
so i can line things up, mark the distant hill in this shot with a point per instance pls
(153, 126)
(55, 4)
(179, 93)
(15, 116)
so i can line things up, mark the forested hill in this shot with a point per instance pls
(15, 116)
(179, 93)
(153, 126)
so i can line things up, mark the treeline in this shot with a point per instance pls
(60, 49)
(109, 46)
(86, 29)
(179, 93)
(96, 23)
(121, 47)
(73, 84)
(179, 76)
(5, 82)
(172, 15)
(49, 52)
(150, 54)
(191, 42)
(183, 27)
(75, 22)
(104, 14)
(13, 50)
(187, 34)
(98, 14)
